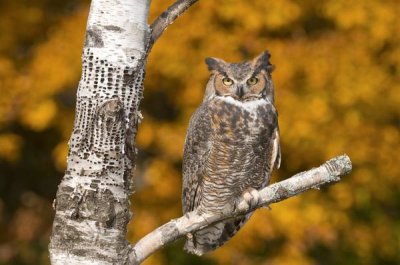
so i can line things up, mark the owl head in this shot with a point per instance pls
(244, 81)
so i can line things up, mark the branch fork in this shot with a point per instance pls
(102, 146)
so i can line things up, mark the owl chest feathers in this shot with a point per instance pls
(238, 124)
(231, 145)
(241, 134)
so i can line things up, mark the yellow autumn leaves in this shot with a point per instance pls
(337, 84)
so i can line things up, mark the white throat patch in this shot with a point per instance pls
(248, 105)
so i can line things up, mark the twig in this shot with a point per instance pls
(167, 18)
(329, 172)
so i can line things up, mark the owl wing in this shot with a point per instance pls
(273, 150)
(276, 150)
(197, 143)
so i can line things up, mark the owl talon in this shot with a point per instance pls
(232, 140)
(251, 198)
(255, 197)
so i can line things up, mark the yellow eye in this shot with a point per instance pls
(252, 81)
(227, 81)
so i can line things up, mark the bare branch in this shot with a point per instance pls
(167, 18)
(329, 172)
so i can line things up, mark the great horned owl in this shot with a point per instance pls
(231, 146)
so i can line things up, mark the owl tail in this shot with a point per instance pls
(212, 237)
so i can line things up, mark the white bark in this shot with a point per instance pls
(92, 203)
(329, 172)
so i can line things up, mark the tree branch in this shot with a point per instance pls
(329, 172)
(167, 18)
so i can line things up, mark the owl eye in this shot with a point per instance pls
(227, 81)
(252, 81)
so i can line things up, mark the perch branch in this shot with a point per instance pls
(167, 18)
(329, 172)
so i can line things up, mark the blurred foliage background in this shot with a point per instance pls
(337, 83)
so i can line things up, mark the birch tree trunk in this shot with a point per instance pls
(92, 202)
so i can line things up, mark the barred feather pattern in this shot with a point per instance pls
(230, 146)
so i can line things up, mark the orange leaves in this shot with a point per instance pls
(39, 116)
(162, 179)
(10, 145)
(348, 14)
(336, 78)
(256, 15)
(275, 14)
(337, 91)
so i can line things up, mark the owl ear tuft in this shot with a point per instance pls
(262, 62)
(215, 64)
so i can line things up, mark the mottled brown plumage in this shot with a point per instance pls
(231, 146)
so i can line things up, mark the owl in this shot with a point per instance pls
(231, 147)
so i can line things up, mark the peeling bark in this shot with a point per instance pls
(92, 202)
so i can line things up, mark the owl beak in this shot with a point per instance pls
(240, 91)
